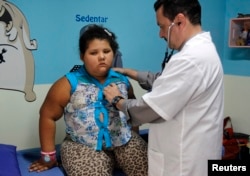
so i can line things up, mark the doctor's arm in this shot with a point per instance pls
(137, 110)
(144, 78)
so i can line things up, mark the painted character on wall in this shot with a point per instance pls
(16, 59)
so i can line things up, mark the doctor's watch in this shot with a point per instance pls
(48, 156)
(115, 100)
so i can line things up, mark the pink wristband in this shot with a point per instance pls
(48, 153)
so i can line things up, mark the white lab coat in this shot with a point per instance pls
(189, 96)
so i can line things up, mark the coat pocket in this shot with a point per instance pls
(156, 163)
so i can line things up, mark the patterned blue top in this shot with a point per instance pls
(89, 118)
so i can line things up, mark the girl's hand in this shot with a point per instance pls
(41, 165)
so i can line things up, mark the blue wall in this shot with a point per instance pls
(55, 25)
(213, 20)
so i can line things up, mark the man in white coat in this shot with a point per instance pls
(184, 104)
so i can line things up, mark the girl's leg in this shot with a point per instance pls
(79, 160)
(132, 157)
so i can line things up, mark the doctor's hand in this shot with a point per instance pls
(119, 70)
(111, 91)
(127, 72)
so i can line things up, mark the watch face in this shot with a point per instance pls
(46, 158)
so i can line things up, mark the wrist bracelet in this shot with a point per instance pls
(48, 153)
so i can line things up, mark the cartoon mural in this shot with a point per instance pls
(16, 59)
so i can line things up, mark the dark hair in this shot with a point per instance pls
(190, 8)
(93, 31)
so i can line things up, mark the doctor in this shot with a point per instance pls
(184, 104)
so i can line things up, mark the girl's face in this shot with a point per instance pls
(98, 58)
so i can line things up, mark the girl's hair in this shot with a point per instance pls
(93, 31)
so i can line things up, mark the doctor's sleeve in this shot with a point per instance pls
(138, 112)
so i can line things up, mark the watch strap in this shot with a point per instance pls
(115, 100)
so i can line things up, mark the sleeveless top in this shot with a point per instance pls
(90, 119)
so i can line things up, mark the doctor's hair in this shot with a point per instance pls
(190, 8)
(94, 31)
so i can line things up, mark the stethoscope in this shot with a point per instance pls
(167, 55)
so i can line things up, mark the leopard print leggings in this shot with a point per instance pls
(80, 160)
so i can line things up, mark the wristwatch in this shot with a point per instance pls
(48, 156)
(115, 100)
